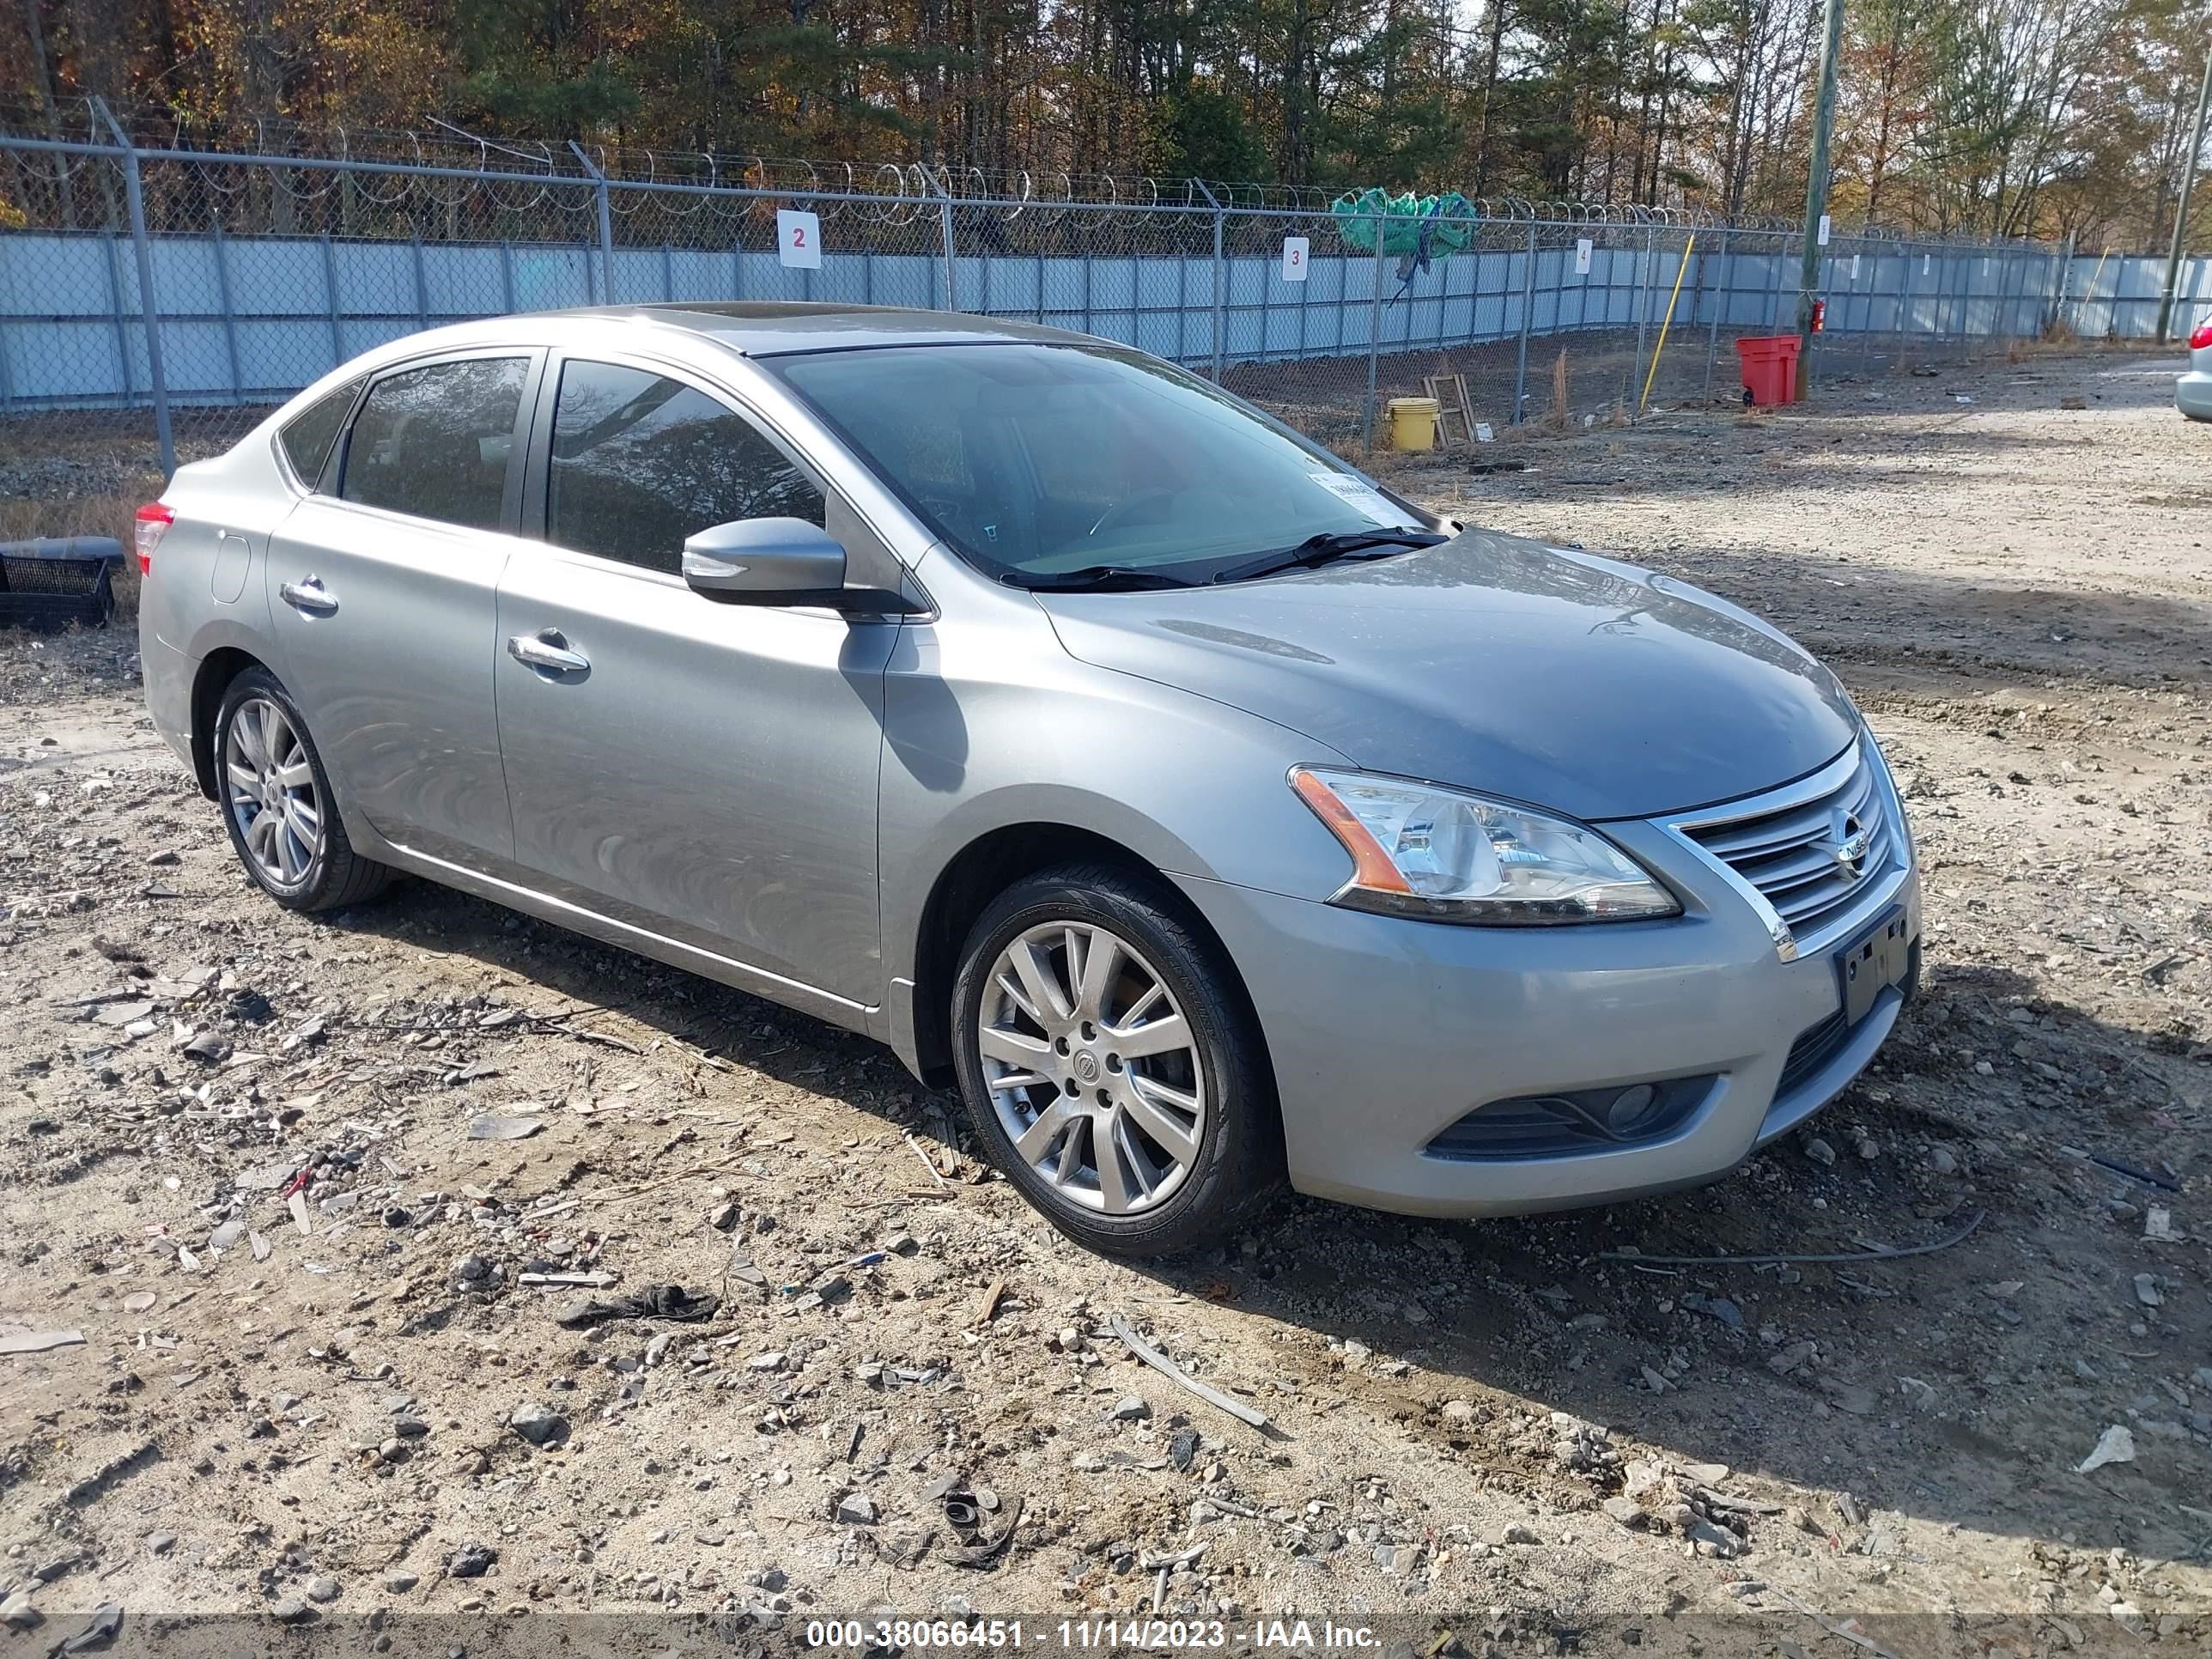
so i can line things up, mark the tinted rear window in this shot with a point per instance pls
(308, 436)
(434, 442)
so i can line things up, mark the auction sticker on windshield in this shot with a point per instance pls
(1359, 493)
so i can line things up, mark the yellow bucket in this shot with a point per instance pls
(1413, 423)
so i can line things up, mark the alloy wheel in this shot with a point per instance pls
(1092, 1069)
(270, 787)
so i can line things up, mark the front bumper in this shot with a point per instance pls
(1385, 1033)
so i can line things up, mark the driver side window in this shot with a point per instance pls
(640, 461)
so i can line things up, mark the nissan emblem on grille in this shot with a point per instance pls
(1850, 840)
(1810, 851)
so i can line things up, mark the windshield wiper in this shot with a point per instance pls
(1323, 548)
(1101, 579)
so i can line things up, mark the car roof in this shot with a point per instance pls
(768, 328)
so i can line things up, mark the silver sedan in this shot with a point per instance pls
(1207, 814)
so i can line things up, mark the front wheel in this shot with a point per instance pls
(1110, 1067)
(278, 805)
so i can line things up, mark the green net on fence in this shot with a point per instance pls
(1446, 222)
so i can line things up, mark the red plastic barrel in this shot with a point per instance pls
(1770, 367)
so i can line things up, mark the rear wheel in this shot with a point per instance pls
(277, 804)
(1110, 1068)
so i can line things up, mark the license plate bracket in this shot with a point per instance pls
(1878, 958)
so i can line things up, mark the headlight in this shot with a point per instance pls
(1445, 855)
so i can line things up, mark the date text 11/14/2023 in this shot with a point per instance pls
(880, 1635)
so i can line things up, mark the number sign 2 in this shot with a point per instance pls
(798, 240)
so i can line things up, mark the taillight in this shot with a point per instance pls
(2201, 338)
(154, 521)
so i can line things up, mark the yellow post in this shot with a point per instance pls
(1679, 271)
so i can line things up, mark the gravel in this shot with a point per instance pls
(1463, 1417)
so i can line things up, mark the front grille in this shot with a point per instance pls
(1813, 1048)
(1790, 854)
(1552, 1126)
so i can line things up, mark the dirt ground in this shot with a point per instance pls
(287, 1417)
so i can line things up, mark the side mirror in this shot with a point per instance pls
(765, 561)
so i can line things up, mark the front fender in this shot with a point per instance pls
(989, 724)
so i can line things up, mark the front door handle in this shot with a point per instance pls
(308, 595)
(546, 648)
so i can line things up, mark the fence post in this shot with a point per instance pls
(1721, 304)
(157, 384)
(1643, 313)
(1904, 313)
(331, 298)
(1866, 306)
(1220, 278)
(1374, 341)
(2064, 255)
(606, 226)
(952, 276)
(111, 261)
(1528, 313)
(422, 281)
(944, 223)
(229, 311)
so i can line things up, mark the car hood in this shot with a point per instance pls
(1503, 666)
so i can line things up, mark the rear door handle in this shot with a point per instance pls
(309, 596)
(546, 648)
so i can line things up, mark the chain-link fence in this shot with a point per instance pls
(2116, 296)
(156, 300)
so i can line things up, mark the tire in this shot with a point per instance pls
(326, 875)
(1177, 1190)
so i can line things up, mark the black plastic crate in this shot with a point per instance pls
(54, 581)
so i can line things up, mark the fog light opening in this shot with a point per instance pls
(1629, 1107)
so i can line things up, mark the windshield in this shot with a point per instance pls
(1045, 462)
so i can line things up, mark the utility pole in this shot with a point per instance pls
(2167, 294)
(1816, 185)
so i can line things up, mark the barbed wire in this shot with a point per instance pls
(450, 169)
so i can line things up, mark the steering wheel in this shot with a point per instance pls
(1122, 509)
